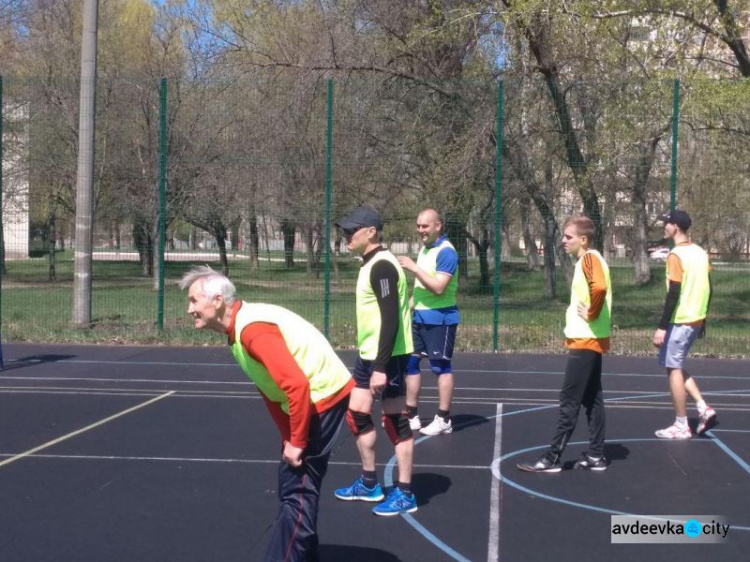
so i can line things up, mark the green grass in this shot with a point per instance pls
(125, 306)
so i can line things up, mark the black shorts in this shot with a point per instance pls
(394, 373)
(434, 341)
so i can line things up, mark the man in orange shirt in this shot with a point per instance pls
(682, 322)
(587, 331)
(305, 386)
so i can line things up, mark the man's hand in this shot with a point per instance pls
(659, 336)
(407, 263)
(292, 455)
(378, 382)
(583, 312)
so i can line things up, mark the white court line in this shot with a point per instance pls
(484, 401)
(79, 431)
(229, 461)
(493, 547)
(249, 383)
(157, 381)
(234, 366)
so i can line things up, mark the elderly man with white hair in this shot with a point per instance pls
(304, 384)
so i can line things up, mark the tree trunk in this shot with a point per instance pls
(506, 242)
(221, 239)
(287, 231)
(253, 240)
(640, 214)
(537, 33)
(193, 239)
(144, 245)
(85, 182)
(234, 234)
(51, 237)
(550, 282)
(532, 257)
(310, 250)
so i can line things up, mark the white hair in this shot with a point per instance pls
(212, 282)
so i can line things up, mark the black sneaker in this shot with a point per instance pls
(543, 464)
(591, 463)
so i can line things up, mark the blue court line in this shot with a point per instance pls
(497, 474)
(728, 451)
(731, 430)
(388, 476)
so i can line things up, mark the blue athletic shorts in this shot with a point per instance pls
(434, 341)
(394, 372)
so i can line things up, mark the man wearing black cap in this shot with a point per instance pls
(384, 339)
(682, 321)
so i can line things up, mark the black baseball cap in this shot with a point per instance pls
(680, 218)
(361, 217)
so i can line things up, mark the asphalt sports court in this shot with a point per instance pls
(168, 454)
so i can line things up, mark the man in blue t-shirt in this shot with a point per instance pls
(435, 320)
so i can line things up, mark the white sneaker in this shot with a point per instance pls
(415, 424)
(437, 427)
(674, 431)
(707, 420)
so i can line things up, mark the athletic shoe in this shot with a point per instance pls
(675, 432)
(438, 426)
(707, 420)
(541, 465)
(591, 463)
(358, 491)
(396, 503)
(415, 424)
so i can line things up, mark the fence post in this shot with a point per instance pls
(498, 213)
(327, 228)
(675, 129)
(162, 198)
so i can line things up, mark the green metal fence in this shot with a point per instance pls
(250, 176)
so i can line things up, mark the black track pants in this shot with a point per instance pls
(582, 387)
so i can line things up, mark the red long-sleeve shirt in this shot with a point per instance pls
(265, 343)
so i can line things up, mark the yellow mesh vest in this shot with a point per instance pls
(368, 312)
(424, 299)
(575, 326)
(324, 370)
(695, 289)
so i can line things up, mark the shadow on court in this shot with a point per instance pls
(614, 452)
(338, 553)
(461, 422)
(427, 485)
(30, 360)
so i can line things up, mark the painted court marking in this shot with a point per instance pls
(84, 429)
(498, 475)
(493, 547)
(495, 468)
(234, 366)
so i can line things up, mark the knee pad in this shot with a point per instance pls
(412, 368)
(359, 423)
(441, 366)
(397, 427)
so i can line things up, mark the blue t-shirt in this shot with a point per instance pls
(447, 262)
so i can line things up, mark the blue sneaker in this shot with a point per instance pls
(396, 503)
(358, 491)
